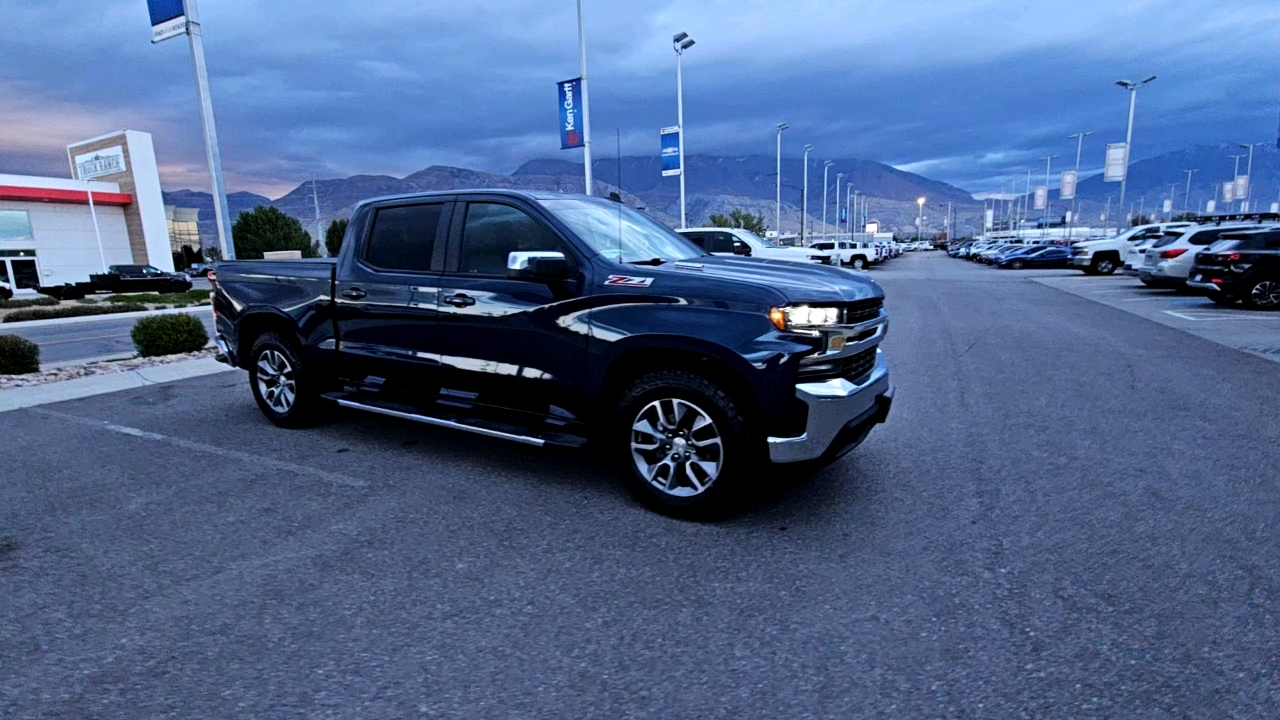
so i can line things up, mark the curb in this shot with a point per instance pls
(102, 358)
(102, 384)
(99, 318)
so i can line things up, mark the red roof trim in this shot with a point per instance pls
(75, 197)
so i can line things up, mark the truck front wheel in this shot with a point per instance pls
(282, 387)
(858, 263)
(1104, 265)
(684, 443)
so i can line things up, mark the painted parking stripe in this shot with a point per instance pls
(247, 458)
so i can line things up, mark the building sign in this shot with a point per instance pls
(1117, 162)
(571, 114)
(670, 137)
(1042, 197)
(1067, 190)
(99, 163)
(1242, 187)
(168, 19)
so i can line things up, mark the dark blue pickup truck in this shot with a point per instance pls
(553, 319)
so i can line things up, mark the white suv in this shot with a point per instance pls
(736, 241)
(1168, 261)
(1103, 256)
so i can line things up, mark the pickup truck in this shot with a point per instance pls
(1103, 256)
(852, 254)
(739, 241)
(122, 279)
(552, 319)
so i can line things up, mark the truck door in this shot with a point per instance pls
(386, 298)
(504, 345)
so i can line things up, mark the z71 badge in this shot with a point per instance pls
(629, 281)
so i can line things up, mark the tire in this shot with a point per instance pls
(858, 263)
(1223, 299)
(282, 385)
(1104, 266)
(1263, 294)
(723, 452)
(1016, 264)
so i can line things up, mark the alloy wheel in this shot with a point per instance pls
(1266, 294)
(276, 382)
(676, 447)
(1105, 267)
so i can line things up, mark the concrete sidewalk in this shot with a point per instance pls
(101, 384)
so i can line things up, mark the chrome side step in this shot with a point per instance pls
(439, 422)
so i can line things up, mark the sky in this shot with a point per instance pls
(971, 92)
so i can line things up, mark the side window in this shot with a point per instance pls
(493, 231)
(697, 238)
(1207, 237)
(720, 243)
(403, 238)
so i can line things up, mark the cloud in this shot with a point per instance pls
(967, 91)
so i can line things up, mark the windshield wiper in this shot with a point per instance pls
(653, 261)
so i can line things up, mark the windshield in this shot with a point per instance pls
(619, 232)
(752, 239)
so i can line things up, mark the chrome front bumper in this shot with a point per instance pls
(835, 405)
(1081, 260)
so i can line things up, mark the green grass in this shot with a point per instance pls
(43, 313)
(181, 299)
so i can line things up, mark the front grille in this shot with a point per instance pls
(853, 368)
(861, 311)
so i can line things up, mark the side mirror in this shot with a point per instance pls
(538, 265)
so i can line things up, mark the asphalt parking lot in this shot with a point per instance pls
(1071, 512)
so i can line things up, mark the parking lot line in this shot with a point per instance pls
(249, 458)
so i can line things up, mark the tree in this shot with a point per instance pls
(266, 229)
(213, 253)
(739, 218)
(333, 236)
(1139, 220)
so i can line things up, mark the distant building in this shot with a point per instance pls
(184, 234)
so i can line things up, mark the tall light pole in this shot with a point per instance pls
(1248, 187)
(804, 202)
(825, 167)
(849, 194)
(586, 104)
(853, 216)
(1026, 199)
(1132, 87)
(1186, 204)
(1048, 169)
(214, 156)
(681, 42)
(838, 176)
(919, 218)
(1236, 174)
(778, 219)
(1079, 138)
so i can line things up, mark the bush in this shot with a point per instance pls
(67, 311)
(169, 335)
(18, 356)
(189, 296)
(26, 303)
(333, 236)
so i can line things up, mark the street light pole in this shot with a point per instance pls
(1132, 87)
(778, 217)
(1026, 200)
(849, 194)
(1248, 173)
(825, 167)
(1186, 204)
(586, 104)
(804, 202)
(195, 34)
(853, 216)
(1079, 138)
(681, 42)
(838, 176)
(1048, 165)
(919, 218)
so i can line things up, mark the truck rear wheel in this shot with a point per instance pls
(858, 263)
(685, 444)
(282, 386)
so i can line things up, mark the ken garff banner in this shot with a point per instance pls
(670, 151)
(168, 19)
(571, 114)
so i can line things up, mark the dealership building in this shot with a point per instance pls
(109, 212)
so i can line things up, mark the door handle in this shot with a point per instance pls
(354, 293)
(460, 300)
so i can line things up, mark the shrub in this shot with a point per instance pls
(184, 297)
(168, 335)
(18, 355)
(67, 311)
(27, 302)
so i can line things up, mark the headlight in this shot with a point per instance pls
(804, 316)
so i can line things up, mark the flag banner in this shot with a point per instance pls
(1210, 206)
(1228, 192)
(168, 19)
(670, 151)
(571, 114)
(1242, 187)
(1067, 191)
(1042, 197)
(990, 219)
(1117, 162)
(1168, 206)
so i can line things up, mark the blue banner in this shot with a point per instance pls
(571, 114)
(844, 214)
(163, 11)
(670, 151)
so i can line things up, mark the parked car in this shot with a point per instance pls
(1137, 254)
(1240, 266)
(1036, 256)
(736, 241)
(551, 319)
(845, 252)
(1167, 264)
(1103, 256)
(198, 270)
(988, 256)
(6, 291)
(121, 279)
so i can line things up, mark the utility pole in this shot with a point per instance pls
(586, 104)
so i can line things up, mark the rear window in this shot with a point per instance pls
(823, 246)
(404, 238)
(1206, 237)
(1168, 238)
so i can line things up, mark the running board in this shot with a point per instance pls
(473, 425)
